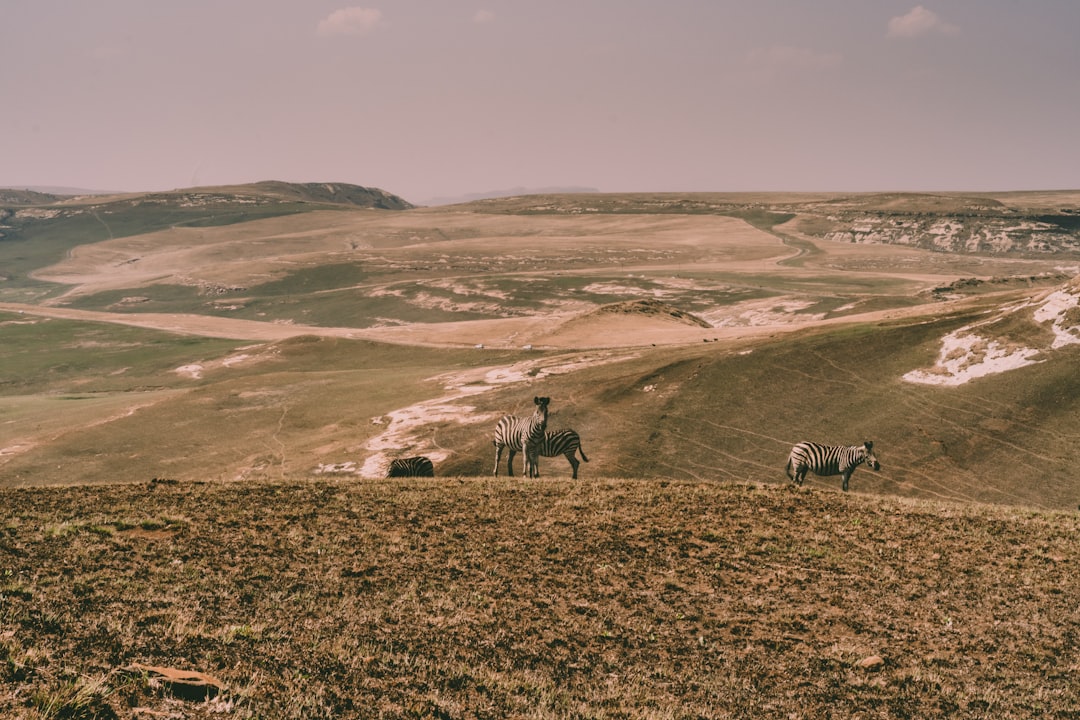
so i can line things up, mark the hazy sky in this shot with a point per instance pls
(427, 98)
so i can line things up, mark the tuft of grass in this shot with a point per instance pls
(84, 698)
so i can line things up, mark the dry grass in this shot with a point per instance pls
(466, 598)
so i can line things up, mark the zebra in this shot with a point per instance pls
(418, 466)
(563, 442)
(827, 460)
(521, 435)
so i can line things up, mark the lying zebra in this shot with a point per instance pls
(827, 460)
(563, 442)
(523, 435)
(418, 466)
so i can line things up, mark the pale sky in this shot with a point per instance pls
(430, 98)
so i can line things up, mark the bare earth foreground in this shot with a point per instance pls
(473, 598)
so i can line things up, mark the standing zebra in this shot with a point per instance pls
(522, 435)
(563, 442)
(827, 460)
(418, 466)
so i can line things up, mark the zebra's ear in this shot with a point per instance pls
(869, 444)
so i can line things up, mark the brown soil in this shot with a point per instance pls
(464, 598)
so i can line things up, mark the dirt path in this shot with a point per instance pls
(186, 324)
(551, 331)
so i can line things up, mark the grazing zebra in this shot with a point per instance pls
(418, 466)
(522, 435)
(563, 442)
(827, 460)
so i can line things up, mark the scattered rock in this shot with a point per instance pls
(182, 684)
(873, 662)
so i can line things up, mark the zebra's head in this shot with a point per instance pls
(542, 409)
(871, 458)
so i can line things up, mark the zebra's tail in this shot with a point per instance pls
(582, 453)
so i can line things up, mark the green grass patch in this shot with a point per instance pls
(75, 359)
(317, 279)
(274, 415)
(160, 298)
(30, 243)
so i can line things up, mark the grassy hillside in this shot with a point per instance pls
(198, 409)
(35, 237)
(474, 598)
(95, 403)
(717, 413)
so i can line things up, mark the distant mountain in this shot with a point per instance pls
(340, 193)
(51, 190)
(510, 192)
(1028, 222)
(270, 191)
(68, 221)
(13, 197)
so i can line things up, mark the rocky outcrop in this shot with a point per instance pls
(652, 308)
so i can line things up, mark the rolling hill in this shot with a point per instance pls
(682, 342)
(995, 223)
(38, 229)
(200, 392)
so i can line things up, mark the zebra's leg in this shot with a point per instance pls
(847, 476)
(498, 457)
(510, 453)
(532, 462)
(573, 462)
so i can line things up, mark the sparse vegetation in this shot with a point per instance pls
(469, 598)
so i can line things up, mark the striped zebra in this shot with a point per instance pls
(418, 466)
(563, 442)
(522, 435)
(827, 460)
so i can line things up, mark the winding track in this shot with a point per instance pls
(539, 331)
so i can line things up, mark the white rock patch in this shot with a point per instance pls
(965, 356)
(407, 429)
(759, 313)
(1054, 310)
(193, 371)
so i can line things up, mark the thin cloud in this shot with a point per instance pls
(919, 22)
(350, 21)
(483, 16)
